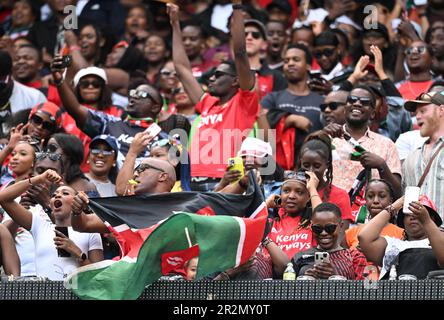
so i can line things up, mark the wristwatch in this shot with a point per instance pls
(83, 257)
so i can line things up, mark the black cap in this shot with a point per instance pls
(282, 5)
(257, 24)
(380, 28)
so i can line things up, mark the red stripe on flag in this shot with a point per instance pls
(254, 231)
(174, 261)
(206, 211)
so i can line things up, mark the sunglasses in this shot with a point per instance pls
(138, 94)
(255, 34)
(326, 52)
(332, 106)
(218, 74)
(364, 101)
(51, 156)
(168, 73)
(84, 84)
(145, 166)
(105, 153)
(420, 50)
(296, 175)
(329, 228)
(45, 124)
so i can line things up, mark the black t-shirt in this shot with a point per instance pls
(307, 106)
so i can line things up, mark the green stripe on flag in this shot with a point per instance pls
(218, 239)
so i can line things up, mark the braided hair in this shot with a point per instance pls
(320, 143)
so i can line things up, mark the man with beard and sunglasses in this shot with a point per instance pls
(380, 155)
(326, 225)
(145, 104)
(333, 108)
(14, 96)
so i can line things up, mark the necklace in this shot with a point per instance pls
(5, 106)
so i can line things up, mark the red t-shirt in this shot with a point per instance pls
(411, 90)
(220, 132)
(340, 198)
(289, 236)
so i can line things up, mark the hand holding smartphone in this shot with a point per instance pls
(322, 257)
(61, 252)
(411, 194)
(153, 130)
(236, 163)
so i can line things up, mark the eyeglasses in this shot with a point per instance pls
(168, 73)
(364, 101)
(138, 94)
(105, 153)
(326, 52)
(84, 84)
(145, 166)
(332, 106)
(329, 228)
(419, 49)
(255, 34)
(46, 125)
(51, 156)
(218, 74)
(161, 143)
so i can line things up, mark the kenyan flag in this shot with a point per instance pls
(220, 242)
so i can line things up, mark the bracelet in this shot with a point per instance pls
(74, 48)
(225, 275)
(266, 242)
(391, 210)
(238, 6)
(315, 195)
(58, 84)
(30, 182)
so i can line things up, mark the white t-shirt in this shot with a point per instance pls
(24, 97)
(48, 263)
(408, 142)
(106, 189)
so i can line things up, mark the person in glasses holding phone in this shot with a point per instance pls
(83, 248)
(380, 155)
(326, 224)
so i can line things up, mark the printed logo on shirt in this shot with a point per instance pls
(210, 120)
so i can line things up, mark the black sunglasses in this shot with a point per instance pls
(219, 74)
(145, 166)
(45, 124)
(168, 73)
(96, 84)
(364, 101)
(332, 106)
(325, 52)
(51, 156)
(255, 34)
(329, 228)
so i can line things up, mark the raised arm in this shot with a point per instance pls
(180, 59)
(246, 77)
(370, 241)
(139, 143)
(82, 222)
(69, 100)
(17, 212)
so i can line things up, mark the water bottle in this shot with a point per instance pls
(289, 273)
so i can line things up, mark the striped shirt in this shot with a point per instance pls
(433, 185)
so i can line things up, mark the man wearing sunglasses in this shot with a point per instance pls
(230, 105)
(333, 108)
(380, 155)
(256, 43)
(419, 62)
(145, 103)
(329, 58)
(14, 96)
(151, 176)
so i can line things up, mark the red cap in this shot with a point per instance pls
(51, 109)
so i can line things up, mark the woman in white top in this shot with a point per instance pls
(84, 248)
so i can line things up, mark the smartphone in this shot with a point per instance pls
(411, 194)
(61, 252)
(322, 257)
(236, 163)
(153, 130)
